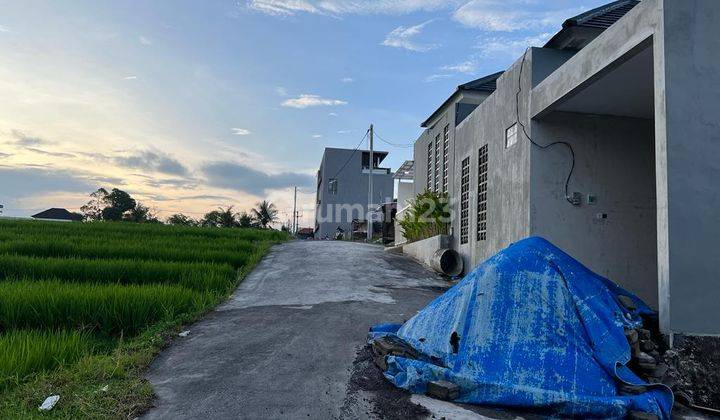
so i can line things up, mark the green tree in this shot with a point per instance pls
(220, 218)
(114, 206)
(93, 209)
(140, 214)
(180, 219)
(245, 220)
(265, 213)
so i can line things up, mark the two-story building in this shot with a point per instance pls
(342, 189)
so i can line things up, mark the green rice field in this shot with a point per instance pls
(84, 307)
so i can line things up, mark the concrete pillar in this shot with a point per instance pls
(687, 121)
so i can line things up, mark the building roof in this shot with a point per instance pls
(380, 153)
(603, 16)
(597, 20)
(406, 170)
(57, 214)
(483, 84)
(486, 84)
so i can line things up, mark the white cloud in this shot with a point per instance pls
(241, 131)
(306, 101)
(344, 7)
(281, 91)
(467, 67)
(4, 29)
(333, 114)
(144, 41)
(436, 77)
(507, 46)
(402, 37)
(282, 7)
(344, 131)
(499, 46)
(317, 136)
(347, 80)
(129, 77)
(509, 15)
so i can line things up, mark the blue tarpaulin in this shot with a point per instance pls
(532, 328)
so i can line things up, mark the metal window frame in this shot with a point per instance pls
(333, 186)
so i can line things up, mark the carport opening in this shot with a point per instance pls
(611, 126)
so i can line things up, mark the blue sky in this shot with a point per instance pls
(190, 105)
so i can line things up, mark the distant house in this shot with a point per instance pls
(58, 215)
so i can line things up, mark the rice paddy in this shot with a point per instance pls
(78, 295)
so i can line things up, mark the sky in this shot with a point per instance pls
(193, 105)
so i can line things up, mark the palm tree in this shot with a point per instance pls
(265, 213)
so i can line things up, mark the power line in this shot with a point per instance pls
(352, 154)
(402, 145)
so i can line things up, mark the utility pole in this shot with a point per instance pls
(294, 222)
(370, 189)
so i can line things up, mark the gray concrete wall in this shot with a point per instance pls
(615, 162)
(420, 151)
(420, 158)
(508, 200)
(687, 112)
(352, 190)
(446, 116)
(423, 251)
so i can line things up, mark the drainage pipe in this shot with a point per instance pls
(447, 261)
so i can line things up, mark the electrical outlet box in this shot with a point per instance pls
(576, 198)
(591, 199)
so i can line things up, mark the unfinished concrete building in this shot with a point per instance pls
(606, 141)
(342, 189)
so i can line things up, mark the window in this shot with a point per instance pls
(429, 166)
(465, 201)
(511, 135)
(482, 193)
(437, 163)
(446, 146)
(333, 186)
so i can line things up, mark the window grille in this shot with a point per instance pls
(429, 166)
(437, 163)
(482, 193)
(465, 201)
(446, 147)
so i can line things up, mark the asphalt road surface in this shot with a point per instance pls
(290, 341)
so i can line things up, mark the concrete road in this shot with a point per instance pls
(289, 342)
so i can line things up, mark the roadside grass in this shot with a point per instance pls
(107, 310)
(147, 251)
(193, 275)
(23, 352)
(74, 321)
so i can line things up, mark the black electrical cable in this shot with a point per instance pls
(407, 145)
(546, 146)
(352, 154)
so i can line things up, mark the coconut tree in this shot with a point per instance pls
(265, 213)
